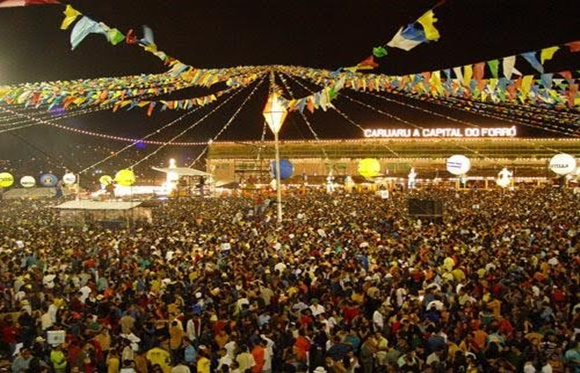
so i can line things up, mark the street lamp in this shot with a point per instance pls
(275, 113)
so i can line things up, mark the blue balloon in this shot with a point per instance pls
(48, 180)
(286, 169)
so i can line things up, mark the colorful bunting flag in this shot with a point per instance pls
(115, 36)
(493, 67)
(427, 20)
(547, 54)
(379, 52)
(573, 46)
(411, 36)
(16, 3)
(533, 60)
(82, 29)
(70, 15)
(508, 64)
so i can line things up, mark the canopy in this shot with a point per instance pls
(97, 205)
(183, 171)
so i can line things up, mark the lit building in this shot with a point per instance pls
(313, 160)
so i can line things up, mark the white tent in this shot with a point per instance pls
(106, 213)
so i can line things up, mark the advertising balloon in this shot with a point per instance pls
(562, 164)
(369, 167)
(27, 181)
(69, 178)
(105, 180)
(48, 180)
(286, 169)
(125, 177)
(6, 179)
(458, 164)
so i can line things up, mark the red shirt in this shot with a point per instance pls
(258, 353)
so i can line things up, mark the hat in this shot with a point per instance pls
(198, 295)
(40, 339)
(320, 370)
(100, 297)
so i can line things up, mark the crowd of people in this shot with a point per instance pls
(347, 283)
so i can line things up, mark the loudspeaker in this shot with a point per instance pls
(425, 208)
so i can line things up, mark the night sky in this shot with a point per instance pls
(221, 33)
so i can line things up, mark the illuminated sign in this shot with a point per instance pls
(441, 132)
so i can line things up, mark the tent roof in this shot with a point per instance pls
(97, 205)
(183, 171)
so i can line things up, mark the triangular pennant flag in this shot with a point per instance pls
(403, 41)
(571, 94)
(547, 80)
(573, 46)
(427, 20)
(527, 84)
(478, 70)
(458, 73)
(508, 64)
(566, 74)
(147, 36)
(533, 60)
(70, 15)
(131, 38)
(547, 54)
(467, 74)
(379, 52)
(368, 62)
(115, 36)
(493, 67)
(82, 28)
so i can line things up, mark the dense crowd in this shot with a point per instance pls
(348, 283)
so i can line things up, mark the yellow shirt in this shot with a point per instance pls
(159, 356)
(113, 364)
(358, 298)
(203, 365)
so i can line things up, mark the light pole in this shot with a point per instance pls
(275, 113)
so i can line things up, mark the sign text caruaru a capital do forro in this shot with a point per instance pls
(441, 132)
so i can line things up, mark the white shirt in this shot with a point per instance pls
(280, 267)
(52, 310)
(224, 360)
(317, 309)
(85, 291)
(378, 320)
(45, 321)
(180, 369)
(231, 349)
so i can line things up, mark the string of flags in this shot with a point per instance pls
(494, 81)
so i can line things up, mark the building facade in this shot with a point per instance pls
(526, 157)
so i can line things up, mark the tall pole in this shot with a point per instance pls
(278, 184)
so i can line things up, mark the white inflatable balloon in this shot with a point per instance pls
(69, 178)
(562, 164)
(458, 164)
(27, 181)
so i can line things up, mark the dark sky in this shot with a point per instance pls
(323, 34)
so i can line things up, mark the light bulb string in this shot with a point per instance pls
(304, 118)
(195, 124)
(229, 122)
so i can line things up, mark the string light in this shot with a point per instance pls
(228, 122)
(310, 128)
(170, 142)
(436, 114)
